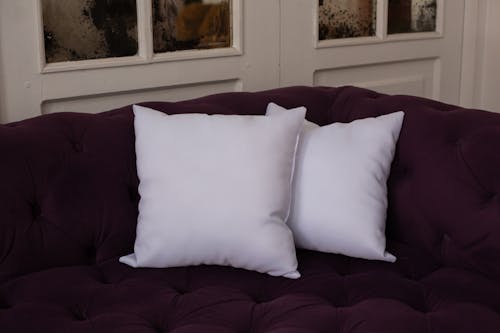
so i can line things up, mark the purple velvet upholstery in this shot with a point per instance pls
(68, 209)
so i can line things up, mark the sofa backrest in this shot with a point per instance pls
(68, 182)
(444, 183)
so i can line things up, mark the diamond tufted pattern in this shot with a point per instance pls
(335, 293)
(68, 209)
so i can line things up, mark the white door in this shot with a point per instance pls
(417, 53)
(30, 86)
(274, 43)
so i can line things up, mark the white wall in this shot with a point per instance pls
(489, 72)
(481, 55)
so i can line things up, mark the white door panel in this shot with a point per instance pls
(28, 90)
(275, 45)
(410, 77)
(422, 64)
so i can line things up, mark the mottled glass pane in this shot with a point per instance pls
(89, 29)
(346, 18)
(191, 24)
(411, 16)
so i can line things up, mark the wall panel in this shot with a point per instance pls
(415, 77)
(103, 102)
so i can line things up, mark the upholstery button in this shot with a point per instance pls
(158, 328)
(104, 280)
(35, 210)
(77, 146)
(259, 300)
(181, 291)
(4, 305)
(79, 313)
(452, 141)
(92, 254)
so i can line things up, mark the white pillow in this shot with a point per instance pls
(340, 185)
(215, 190)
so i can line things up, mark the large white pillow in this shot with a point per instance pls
(215, 190)
(340, 185)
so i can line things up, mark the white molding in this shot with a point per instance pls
(382, 19)
(196, 54)
(67, 66)
(470, 53)
(436, 79)
(370, 63)
(413, 36)
(327, 43)
(487, 72)
(440, 10)
(377, 40)
(85, 96)
(145, 28)
(237, 25)
(38, 13)
(411, 76)
(315, 22)
(394, 81)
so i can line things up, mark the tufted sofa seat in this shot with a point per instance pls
(68, 210)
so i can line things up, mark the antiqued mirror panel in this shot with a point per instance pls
(191, 24)
(405, 16)
(346, 18)
(89, 29)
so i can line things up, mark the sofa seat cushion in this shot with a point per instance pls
(335, 294)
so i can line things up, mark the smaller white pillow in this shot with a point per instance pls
(215, 190)
(340, 185)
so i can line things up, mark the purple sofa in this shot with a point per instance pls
(68, 210)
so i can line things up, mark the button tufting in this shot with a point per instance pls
(35, 210)
(104, 280)
(4, 305)
(260, 300)
(92, 255)
(453, 141)
(77, 146)
(446, 254)
(492, 196)
(79, 313)
(158, 329)
(181, 291)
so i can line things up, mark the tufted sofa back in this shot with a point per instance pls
(68, 182)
